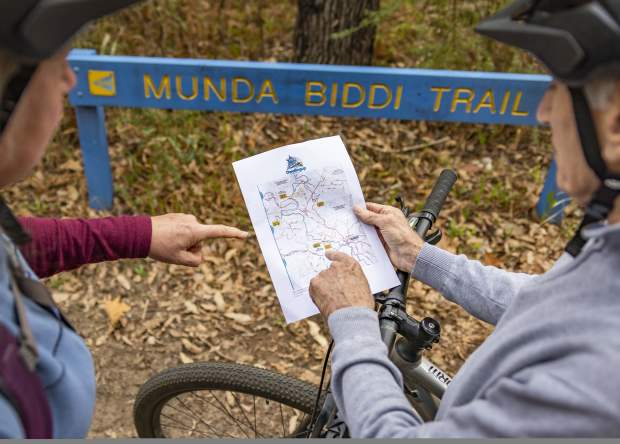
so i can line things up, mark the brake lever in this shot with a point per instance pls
(434, 237)
(403, 207)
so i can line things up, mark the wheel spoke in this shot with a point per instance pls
(209, 426)
(282, 418)
(185, 426)
(229, 414)
(217, 407)
(243, 413)
(254, 401)
(222, 408)
(188, 427)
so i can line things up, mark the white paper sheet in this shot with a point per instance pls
(300, 199)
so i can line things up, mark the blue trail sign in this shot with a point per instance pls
(285, 88)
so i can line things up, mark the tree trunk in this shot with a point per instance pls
(318, 20)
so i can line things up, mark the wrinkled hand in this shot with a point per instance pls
(402, 243)
(342, 285)
(176, 238)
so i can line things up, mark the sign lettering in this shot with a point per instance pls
(392, 93)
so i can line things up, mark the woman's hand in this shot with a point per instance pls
(402, 243)
(176, 238)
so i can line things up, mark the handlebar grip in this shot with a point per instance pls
(440, 191)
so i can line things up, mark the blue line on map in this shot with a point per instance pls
(274, 238)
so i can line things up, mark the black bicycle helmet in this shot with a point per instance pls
(33, 30)
(576, 40)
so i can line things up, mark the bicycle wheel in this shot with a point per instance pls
(217, 399)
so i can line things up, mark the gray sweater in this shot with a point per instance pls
(550, 368)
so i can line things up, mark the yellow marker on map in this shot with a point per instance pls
(317, 245)
(320, 204)
(275, 223)
(283, 196)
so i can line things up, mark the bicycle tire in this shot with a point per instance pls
(160, 388)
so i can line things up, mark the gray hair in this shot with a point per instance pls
(600, 91)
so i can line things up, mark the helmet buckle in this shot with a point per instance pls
(613, 184)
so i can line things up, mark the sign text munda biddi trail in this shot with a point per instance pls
(407, 94)
(346, 95)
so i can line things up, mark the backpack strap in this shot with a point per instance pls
(22, 387)
(19, 381)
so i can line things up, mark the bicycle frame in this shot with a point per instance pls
(425, 384)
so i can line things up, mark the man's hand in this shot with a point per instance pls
(342, 285)
(402, 243)
(177, 238)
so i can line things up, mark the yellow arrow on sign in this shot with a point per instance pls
(102, 83)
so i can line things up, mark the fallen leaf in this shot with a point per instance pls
(315, 332)
(219, 301)
(490, 259)
(123, 281)
(239, 317)
(59, 298)
(230, 254)
(115, 309)
(71, 165)
(185, 359)
(190, 307)
(191, 347)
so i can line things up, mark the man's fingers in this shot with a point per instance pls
(382, 209)
(375, 207)
(368, 217)
(338, 256)
(208, 231)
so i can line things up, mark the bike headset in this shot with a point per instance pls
(577, 40)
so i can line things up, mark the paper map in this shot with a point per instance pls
(300, 198)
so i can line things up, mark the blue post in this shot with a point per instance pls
(94, 144)
(552, 200)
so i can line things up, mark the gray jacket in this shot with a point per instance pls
(550, 368)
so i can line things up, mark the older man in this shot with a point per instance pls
(550, 367)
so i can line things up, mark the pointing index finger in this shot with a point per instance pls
(208, 231)
(338, 256)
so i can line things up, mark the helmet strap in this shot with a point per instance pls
(13, 91)
(604, 198)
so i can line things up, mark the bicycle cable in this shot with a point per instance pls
(320, 391)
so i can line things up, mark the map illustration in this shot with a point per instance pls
(310, 212)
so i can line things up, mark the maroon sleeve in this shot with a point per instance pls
(64, 244)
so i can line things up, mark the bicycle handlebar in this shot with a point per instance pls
(432, 207)
(440, 191)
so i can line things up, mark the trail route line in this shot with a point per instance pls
(310, 212)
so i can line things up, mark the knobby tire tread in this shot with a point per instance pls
(268, 384)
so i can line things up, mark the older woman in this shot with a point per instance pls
(47, 384)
